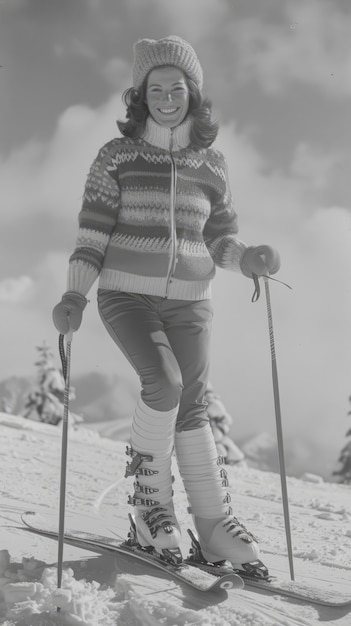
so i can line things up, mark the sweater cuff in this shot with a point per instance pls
(81, 277)
(232, 255)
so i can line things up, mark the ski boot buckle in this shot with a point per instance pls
(137, 459)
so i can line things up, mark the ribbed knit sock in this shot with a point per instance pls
(152, 433)
(204, 480)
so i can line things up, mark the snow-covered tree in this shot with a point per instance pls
(345, 460)
(45, 402)
(8, 402)
(220, 422)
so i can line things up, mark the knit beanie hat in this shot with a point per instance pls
(172, 50)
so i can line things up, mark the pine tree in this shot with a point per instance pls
(220, 421)
(45, 402)
(345, 460)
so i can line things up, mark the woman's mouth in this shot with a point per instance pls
(168, 111)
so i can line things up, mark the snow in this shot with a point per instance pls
(103, 591)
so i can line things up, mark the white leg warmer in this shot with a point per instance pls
(221, 536)
(203, 478)
(152, 434)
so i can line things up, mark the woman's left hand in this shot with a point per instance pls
(260, 260)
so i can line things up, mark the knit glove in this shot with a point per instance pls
(260, 260)
(68, 313)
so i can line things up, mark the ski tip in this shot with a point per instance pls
(31, 518)
(26, 514)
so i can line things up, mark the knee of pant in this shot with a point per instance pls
(165, 393)
(172, 387)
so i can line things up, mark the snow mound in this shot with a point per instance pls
(311, 478)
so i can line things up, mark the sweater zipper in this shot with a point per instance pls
(172, 204)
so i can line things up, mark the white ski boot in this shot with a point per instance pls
(152, 441)
(221, 536)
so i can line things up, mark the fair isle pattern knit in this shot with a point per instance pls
(157, 216)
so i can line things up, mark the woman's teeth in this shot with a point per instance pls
(168, 111)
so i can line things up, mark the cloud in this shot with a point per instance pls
(41, 188)
(15, 290)
(314, 165)
(117, 72)
(193, 19)
(310, 45)
(326, 172)
(49, 176)
(13, 5)
(75, 47)
(311, 322)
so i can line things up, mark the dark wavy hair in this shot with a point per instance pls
(204, 129)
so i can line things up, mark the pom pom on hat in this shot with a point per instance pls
(172, 50)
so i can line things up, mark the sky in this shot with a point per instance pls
(278, 73)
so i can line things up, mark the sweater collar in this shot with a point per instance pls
(160, 136)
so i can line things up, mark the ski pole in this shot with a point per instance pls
(279, 429)
(66, 366)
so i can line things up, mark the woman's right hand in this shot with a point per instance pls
(67, 314)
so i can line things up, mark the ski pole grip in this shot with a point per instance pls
(69, 335)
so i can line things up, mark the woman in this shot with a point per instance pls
(157, 217)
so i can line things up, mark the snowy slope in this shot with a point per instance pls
(103, 591)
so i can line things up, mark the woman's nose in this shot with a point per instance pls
(168, 96)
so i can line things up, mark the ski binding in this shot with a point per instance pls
(256, 575)
(256, 570)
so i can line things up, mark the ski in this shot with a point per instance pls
(256, 575)
(194, 571)
(195, 577)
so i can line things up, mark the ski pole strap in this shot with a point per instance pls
(257, 292)
(65, 356)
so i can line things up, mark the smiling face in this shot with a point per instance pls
(167, 96)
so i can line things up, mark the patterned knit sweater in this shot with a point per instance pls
(157, 216)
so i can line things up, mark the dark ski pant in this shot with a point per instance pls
(167, 342)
